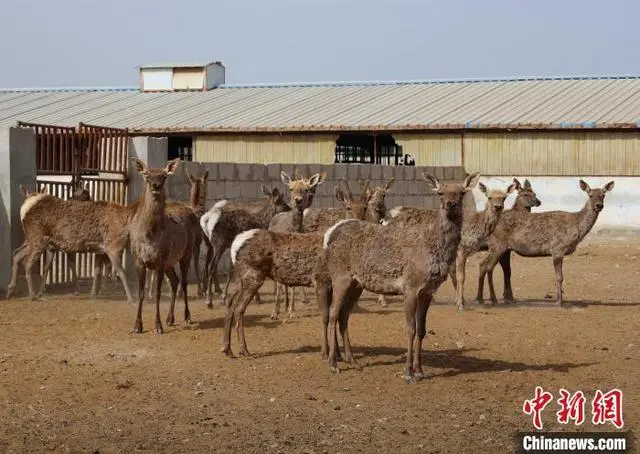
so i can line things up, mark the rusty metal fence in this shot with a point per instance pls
(94, 156)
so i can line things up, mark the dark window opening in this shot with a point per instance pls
(181, 147)
(368, 149)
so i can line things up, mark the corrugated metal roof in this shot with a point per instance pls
(561, 102)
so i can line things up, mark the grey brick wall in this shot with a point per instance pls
(243, 181)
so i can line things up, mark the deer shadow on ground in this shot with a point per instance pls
(455, 361)
(250, 320)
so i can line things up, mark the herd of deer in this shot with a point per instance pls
(339, 252)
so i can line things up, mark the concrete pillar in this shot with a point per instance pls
(17, 166)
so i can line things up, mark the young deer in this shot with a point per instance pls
(158, 241)
(315, 219)
(258, 254)
(221, 226)
(196, 204)
(398, 259)
(553, 234)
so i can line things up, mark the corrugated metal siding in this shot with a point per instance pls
(266, 149)
(570, 153)
(432, 149)
(600, 102)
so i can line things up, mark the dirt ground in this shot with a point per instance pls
(74, 379)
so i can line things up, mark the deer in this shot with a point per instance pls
(285, 257)
(158, 241)
(196, 204)
(397, 259)
(70, 226)
(221, 226)
(477, 226)
(554, 234)
(352, 208)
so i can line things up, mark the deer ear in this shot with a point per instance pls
(387, 187)
(516, 184)
(172, 166)
(24, 190)
(140, 166)
(286, 179)
(317, 179)
(513, 187)
(527, 184)
(265, 190)
(432, 182)
(584, 186)
(340, 197)
(609, 186)
(472, 180)
(205, 176)
(275, 193)
(482, 188)
(189, 176)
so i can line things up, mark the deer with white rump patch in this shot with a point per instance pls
(408, 260)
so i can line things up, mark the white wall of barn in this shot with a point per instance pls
(621, 207)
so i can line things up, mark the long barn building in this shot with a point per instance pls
(553, 130)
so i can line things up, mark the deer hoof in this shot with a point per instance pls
(335, 369)
(227, 352)
(209, 305)
(159, 329)
(410, 380)
(170, 321)
(244, 352)
(137, 329)
(273, 316)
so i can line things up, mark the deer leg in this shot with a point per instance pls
(71, 265)
(323, 298)
(196, 265)
(115, 258)
(97, 275)
(340, 290)
(184, 274)
(228, 321)
(251, 290)
(505, 264)
(170, 273)
(424, 301)
(49, 254)
(460, 265)
(18, 255)
(291, 310)
(452, 274)
(410, 312)
(213, 266)
(557, 264)
(159, 274)
(343, 320)
(382, 301)
(142, 277)
(151, 277)
(487, 265)
(276, 304)
(305, 300)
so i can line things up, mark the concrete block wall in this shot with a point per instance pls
(244, 181)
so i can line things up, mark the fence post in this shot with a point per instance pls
(17, 166)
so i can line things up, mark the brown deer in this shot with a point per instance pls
(221, 226)
(398, 259)
(159, 240)
(196, 204)
(258, 254)
(477, 226)
(553, 234)
(70, 226)
(316, 219)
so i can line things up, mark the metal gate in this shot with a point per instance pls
(94, 156)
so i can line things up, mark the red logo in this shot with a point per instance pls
(607, 407)
(571, 407)
(536, 405)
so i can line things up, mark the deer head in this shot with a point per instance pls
(356, 207)
(81, 192)
(375, 205)
(198, 191)
(496, 197)
(596, 196)
(276, 199)
(155, 179)
(451, 194)
(302, 190)
(526, 196)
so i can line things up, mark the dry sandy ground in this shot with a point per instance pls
(73, 378)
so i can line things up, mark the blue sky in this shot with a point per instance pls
(99, 43)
